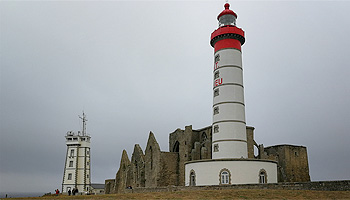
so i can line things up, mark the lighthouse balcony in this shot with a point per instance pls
(225, 32)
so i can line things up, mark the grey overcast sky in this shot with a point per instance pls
(140, 66)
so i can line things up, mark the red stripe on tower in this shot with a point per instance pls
(227, 43)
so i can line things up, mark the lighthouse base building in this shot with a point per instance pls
(151, 167)
(230, 171)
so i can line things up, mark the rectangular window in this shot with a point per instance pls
(216, 75)
(216, 110)
(69, 176)
(216, 92)
(217, 58)
(216, 128)
(216, 147)
(70, 163)
(72, 152)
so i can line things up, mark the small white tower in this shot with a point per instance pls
(77, 168)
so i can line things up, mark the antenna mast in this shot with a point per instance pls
(84, 123)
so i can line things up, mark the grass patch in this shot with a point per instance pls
(215, 194)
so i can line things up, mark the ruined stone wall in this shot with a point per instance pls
(205, 139)
(152, 162)
(292, 162)
(190, 145)
(250, 141)
(169, 172)
(109, 186)
(180, 142)
(319, 186)
(137, 168)
(122, 178)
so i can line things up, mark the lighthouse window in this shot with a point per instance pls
(70, 163)
(216, 110)
(216, 75)
(216, 92)
(262, 176)
(216, 147)
(216, 128)
(227, 20)
(217, 58)
(225, 177)
(72, 152)
(69, 176)
(192, 178)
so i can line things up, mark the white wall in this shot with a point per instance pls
(242, 171)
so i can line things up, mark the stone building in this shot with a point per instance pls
(156, 168)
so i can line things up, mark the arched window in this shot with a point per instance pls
(225, 177)
(136, 172)
(204, 137)
(151, 152)
(176, 147)
(262, 176)
(192, 178)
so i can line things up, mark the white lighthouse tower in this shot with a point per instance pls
(229, 127)
(77, 168)
(229, 163)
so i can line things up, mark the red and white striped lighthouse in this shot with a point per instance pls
(230, 163)
(229, 127)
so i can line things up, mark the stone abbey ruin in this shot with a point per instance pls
(155, 168)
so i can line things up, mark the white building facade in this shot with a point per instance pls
(77, 168)
(229, 163)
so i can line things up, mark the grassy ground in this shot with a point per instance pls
(216, 194)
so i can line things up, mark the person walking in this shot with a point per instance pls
(69, 192)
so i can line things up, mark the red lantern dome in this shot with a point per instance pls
(227, 11)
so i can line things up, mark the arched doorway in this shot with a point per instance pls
(192, 178)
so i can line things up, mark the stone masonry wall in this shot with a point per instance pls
(250, 141)
(109, 186)
(169, 173)
(292, 162)
(137, 168)
(320, 186)
(152, 162)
